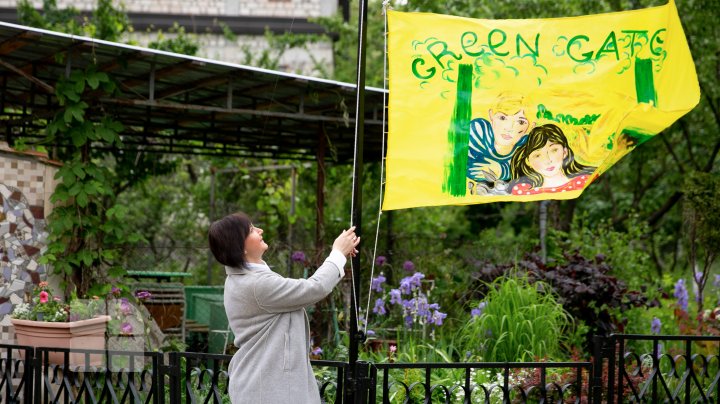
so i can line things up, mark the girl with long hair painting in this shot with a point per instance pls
(546, 163)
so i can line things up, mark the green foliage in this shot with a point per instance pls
(620, 248)
(86, 224)
(584, 287)
(177, 41)
(520, 322)
(106, 22)
(345, 46)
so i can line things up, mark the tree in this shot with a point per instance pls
(702, 214)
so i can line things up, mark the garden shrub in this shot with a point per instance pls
(584, 287)
(517, 321)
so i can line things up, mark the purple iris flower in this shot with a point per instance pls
(376, 283)
(438, 317)
(681, 294)
(477, 312)
(379, 307)
(655, 325)
(395, 296)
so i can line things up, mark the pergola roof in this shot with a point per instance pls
(171, 103)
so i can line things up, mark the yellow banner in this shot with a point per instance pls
(522, 110)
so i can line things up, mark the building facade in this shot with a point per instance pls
(204, 21)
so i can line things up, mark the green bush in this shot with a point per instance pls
(518, 322)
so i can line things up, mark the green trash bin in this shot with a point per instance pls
(191, 292)
(220, 335)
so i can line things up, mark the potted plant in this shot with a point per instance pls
(47, 321)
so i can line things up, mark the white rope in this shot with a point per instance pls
(382, 169)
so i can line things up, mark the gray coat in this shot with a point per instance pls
(267, 315)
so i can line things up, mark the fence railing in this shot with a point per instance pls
(657, 369)
(625, 368)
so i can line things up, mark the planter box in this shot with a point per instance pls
(83, 334)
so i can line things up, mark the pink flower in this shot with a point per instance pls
(126, 328)
(143, 295)
(43, 297)
(125, 307)
(393, 348)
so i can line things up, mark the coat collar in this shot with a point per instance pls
(247, 268)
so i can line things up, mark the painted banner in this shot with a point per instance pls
(522, 110)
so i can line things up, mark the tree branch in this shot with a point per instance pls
(658, 214)
(686, 135)
(670, 149)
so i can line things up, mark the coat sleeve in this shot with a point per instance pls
(277, 294)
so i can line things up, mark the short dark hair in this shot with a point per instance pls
(227, 239)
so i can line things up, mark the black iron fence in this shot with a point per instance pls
(625, 368)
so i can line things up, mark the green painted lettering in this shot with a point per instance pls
(467, 40)
(494, 45)
(571, 42)
(443, 53)
(609, 46)
(632, 38)
(659, 40)
(419, 61)
(519, 39)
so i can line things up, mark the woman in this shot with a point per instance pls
(267, 313)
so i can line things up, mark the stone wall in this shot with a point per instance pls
(264, 8)
(26, 182)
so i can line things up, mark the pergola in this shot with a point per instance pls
(171, 103)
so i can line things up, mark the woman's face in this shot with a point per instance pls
(254, 245)
(547, 161)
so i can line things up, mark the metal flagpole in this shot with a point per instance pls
(353, 392)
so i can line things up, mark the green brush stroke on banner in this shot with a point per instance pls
(458, 135)
(637, 135)
(644, 82)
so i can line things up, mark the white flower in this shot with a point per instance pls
(21, 311)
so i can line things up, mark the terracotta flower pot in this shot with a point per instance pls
(82, 334)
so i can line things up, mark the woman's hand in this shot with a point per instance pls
(346, 242)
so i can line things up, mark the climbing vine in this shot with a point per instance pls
(86, 226)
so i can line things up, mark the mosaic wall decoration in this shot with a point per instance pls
(26, 182)
(23, 239)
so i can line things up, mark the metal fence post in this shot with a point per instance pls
(29, 374)
(38, 380)
(597, 370)
(174, 385)
(373, 384)
(362, 382)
